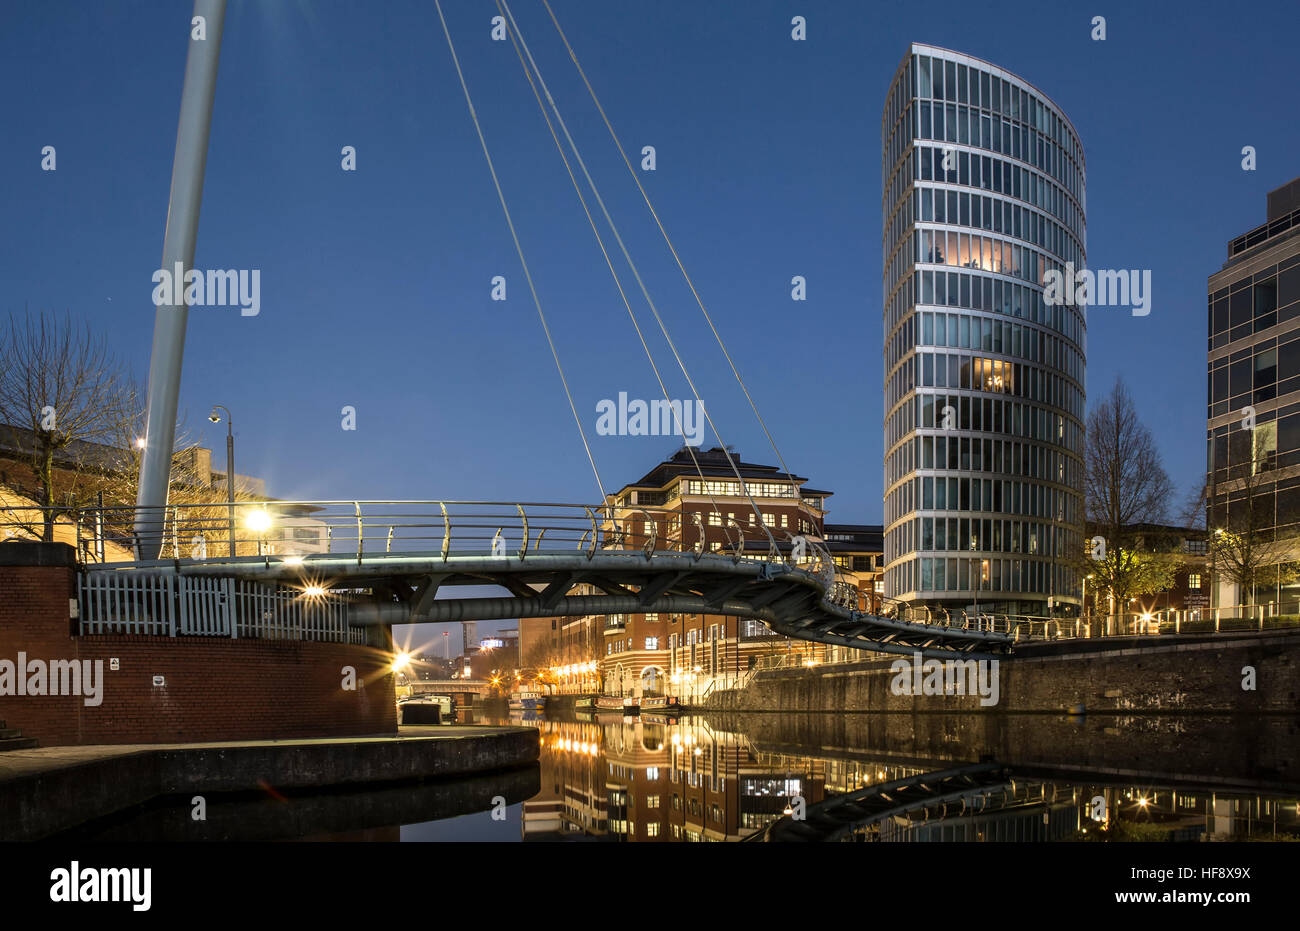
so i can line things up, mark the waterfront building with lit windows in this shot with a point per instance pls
(984, 193)
(1253, 475)
(688, 655)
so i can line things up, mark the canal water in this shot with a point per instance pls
(865, 777)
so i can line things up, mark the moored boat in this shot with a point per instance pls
(527, 700)
(617, 703)
(661, 703)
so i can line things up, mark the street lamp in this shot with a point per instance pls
(230, 466)
(976, 586)
(1083, 608)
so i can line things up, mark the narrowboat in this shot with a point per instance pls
(615, 703)
(527, 700)
(661, 704)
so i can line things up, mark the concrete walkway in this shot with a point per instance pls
(50, 789)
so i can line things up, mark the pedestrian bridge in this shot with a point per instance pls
(343, 567)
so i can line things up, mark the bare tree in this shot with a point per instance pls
(196, 509)
(70, 416)
(61, 393)
(1192, 512)
(1125, 482)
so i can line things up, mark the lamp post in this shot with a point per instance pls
(230, 466)
(976, 580)
(1084, 607)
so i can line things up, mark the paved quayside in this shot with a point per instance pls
(47, 790)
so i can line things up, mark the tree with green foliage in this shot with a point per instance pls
(1125, 573)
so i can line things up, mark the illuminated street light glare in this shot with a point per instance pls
(316, 591)
(401, 661)
(258, 521)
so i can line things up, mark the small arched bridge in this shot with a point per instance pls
(372, 564)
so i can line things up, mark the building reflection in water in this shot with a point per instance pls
(654, 779)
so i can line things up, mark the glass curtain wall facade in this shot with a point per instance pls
(1253, 475)
(984, 182)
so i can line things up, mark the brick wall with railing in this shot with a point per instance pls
(211, 688)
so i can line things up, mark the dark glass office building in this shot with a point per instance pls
(984, 382)
(1254, 369)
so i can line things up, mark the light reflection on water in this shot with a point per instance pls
(908, 777)
(658, 779)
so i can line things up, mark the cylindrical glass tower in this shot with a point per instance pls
(984, 382)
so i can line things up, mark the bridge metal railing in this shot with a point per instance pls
(1129, 624)
(213, 532)
(148, 599)
(299, 532)
(1027, 628)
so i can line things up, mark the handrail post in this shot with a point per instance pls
(653, 536)
(360, 530)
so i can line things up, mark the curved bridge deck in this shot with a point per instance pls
(411, 588)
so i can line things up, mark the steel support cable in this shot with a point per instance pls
(600, 486)
(635, 271)
(618, 283)
(689, 282)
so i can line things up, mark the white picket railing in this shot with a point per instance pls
(126, 602)
(165, 605)
(205, 606)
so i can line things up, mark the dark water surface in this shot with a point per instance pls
(867, 777)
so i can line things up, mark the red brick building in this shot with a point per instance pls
(687, 654)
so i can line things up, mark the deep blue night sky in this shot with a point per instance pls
(375, 284)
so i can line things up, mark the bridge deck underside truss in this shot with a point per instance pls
(960, 791)
(420, 588)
